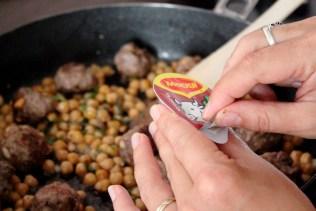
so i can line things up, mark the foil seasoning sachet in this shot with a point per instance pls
(188, 98)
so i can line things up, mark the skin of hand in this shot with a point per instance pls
(203, 175)
(253, 66)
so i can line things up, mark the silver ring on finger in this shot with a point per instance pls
(268, 33)
(165, 204)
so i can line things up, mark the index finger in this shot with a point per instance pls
(274, 64)
(194, 150)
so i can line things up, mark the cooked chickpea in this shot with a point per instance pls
(90, 113)
(22, 188)
(144, 85)
(89, 208)
(73, 104)
(116, 178)
(295, 156)
(116, 168)
(14, 196)
(102, 185)
(150, 94)
(128, 170)
(140, 204)
(27, 201)
(66, 167)
(75, 136)
(63, 126)
(100, 98)
(81, 169)
(31, 181)
(305, 177)
(140, 106)
(63, 107)
(49, 167)
(76, 116)
(14, 179)
(132, 113)
(89, 179)
(134, 84)
(306, 158)
(61, 154)
(8, 209)
(112, 131)
(101, 157)
(118, 161)
(19, 205)
(82, 194)
(71, 147)
(103, 115)
(59, 144)
(132, 91)
(101, 174)
(73, 157)
(93, 166)
(104, 89)
(307, 168)
(85, 158)
(5, 109)
(135, 192)
(129, 181)
(111, 98)
(19, 103)
(108, 140)
(107, 163)
(88, 138)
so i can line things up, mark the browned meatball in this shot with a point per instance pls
(132, 61)
(24, 147)
(56, 196)
(6, 171)
(74, 78)
(186, 63)
(282, 161)
(31, 106)
(260, 142)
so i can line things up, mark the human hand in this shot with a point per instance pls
(203, 175)
(253, 65)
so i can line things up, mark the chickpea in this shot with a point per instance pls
(19, 204)
(111, 98)
(73, 157)
(132, 91)
(85, 159)
(75, 126)
(31, 181)
(135, 192)
(63, 107)
(134, 84)
(307, 168)
(81, 169)
(100, 98)
(107, 163)
(75, 136)
(128, 170)
(102, 185)
(65, 117)
(128, 105)
(71, 147)
(8, 209)
(295, 156)
(150, 94)
(92, 102)
(15, 180)
(116, 178)
(104, 89)
(90, 208)
(129, 181)
(306, 158)
(101, 174)
(59, 144)
(140, 106)
(118, 161)
(73, 104)
(49, 167)
(66, 167)
(116, 168)
(22, 188)
(90, 112)
(89, 179)
(151, 77)
(5, 109)
(61, 154)
(60, 134)
(305, 177)
(132, 113)
(140, 204)
(144, 85)
(90, 129)
(111, 150)
(20, 209)
(108, 140)
(76, 116)
(82, 194)
(112, 131)
(103, 115)
(93, 166)
(88, 138)
(101, 157)
(63, 126)
(27, 201)
(14, 196)
(9, 118)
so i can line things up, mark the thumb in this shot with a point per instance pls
(297, 118)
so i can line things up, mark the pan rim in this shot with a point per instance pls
(75, 9)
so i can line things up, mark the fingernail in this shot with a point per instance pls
(135, 140)
(227, 118)
(152, 128)
(112, 194)
(155, 112)
(297, 84)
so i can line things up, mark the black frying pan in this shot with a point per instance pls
(94, 35)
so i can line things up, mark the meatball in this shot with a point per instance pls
(132, 61)
(31, 106)
(282, 161)
(74, 78)
(6, 171)
(260, 142)
(24, 147)
(57, 196)
(186, 63)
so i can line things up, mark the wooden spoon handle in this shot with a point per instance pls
(209, 70)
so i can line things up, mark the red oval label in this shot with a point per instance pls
(181, 84)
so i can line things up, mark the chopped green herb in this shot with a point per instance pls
(59, 97)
